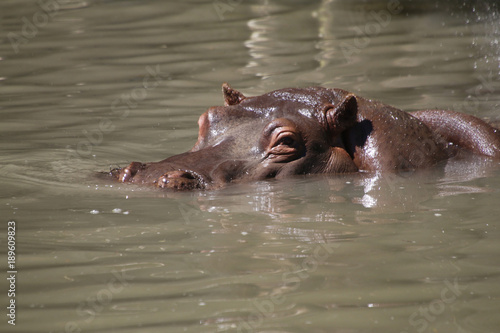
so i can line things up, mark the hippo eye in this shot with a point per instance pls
(282, 140)
(285, 145)
(286, 141)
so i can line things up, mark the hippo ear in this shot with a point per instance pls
(231, 96)
(341, 116)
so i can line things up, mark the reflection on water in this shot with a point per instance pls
(348, 253)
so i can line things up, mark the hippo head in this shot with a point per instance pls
(285, 132)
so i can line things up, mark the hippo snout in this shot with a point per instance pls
(126, 174)
(176, 178)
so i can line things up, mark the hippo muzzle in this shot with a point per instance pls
(174, 179)
(201, 169)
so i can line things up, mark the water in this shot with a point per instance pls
(89, 85)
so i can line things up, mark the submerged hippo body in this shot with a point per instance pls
(312, 131)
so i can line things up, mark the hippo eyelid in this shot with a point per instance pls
(285, 137)
(282, 141)
(287, 124)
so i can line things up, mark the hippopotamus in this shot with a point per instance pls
(316, 130)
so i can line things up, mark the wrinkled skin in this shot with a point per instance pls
(311, 131)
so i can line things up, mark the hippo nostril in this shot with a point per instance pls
(179, 180)
(188, 176)
(179, 174)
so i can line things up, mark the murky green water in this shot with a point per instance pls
(89, 85)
